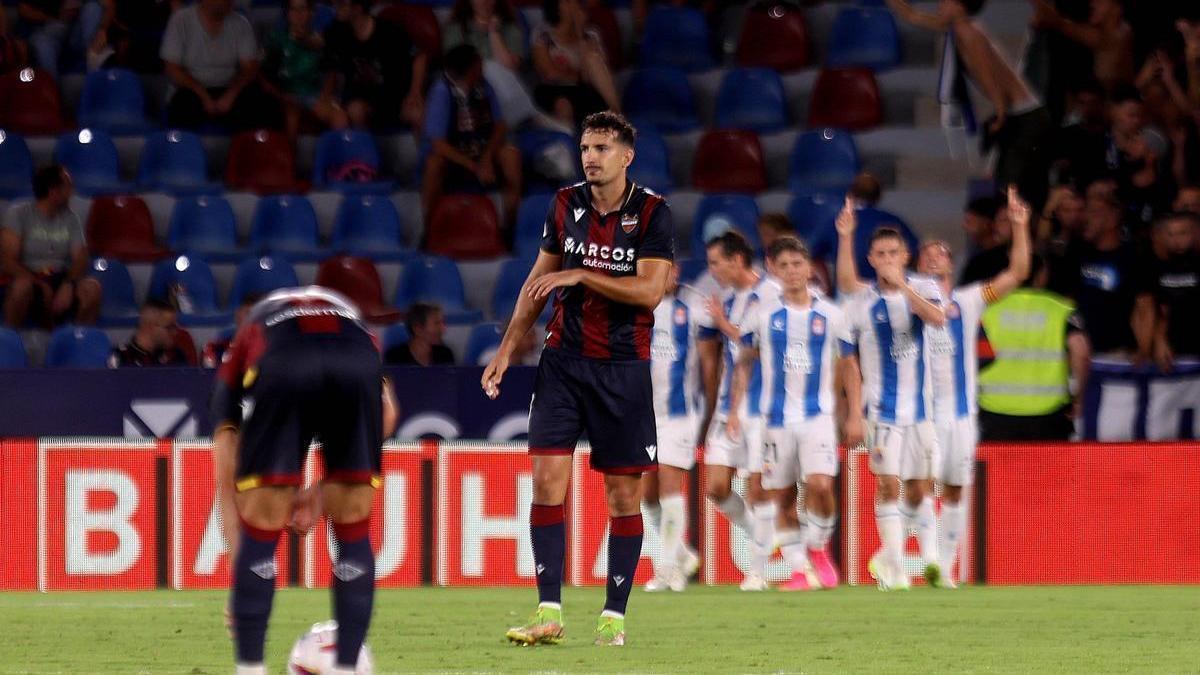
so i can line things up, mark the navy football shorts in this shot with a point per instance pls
(610, 400)
(319, 387)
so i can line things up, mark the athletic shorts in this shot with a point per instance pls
(909, 452)
(792, 453)
(956, 445)
(612, 401)
(743, 453)
(320, 387)
(677, 442)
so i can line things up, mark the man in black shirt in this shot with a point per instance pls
(426, 325)
(989, 232)
(1176, 284)
(155, 342)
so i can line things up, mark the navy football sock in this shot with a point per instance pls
(353, 588)
(624, 552)
(549, 535)
(253, 591)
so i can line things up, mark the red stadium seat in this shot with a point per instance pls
(358, 280)
(846, 98)
(262, 161)
(121, 227)
(465, 227)
(602, 18)
(419, 22)
(773, 36)
(729, 161)
(29, 103)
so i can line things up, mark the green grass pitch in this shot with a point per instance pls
(1135, 629)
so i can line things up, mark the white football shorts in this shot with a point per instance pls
(745, 452)
(677, 441)
(909, 452)
(792, 453)
(956, 445)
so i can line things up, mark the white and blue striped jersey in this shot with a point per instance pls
(797, 350)
(892, 352)
(953, 361)
(739, 306)
(674, 360)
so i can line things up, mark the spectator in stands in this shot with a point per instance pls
(989, 233)
(1106, 34)
(1080, 146)
(1133, 154)
(130, 34)
(1060, 234)
(491, 27)
(291, 72)
(157, 340)
(772, 226)
(866, 192)
(54, 28)
(13, 51)
(469, 149)
(573, 76)
(426, 328)
(1176, 283)
(215, 349)
(42, 249)
(1187, 199)
(211, 58)
(380, 72)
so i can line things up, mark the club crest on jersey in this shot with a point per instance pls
(629, 223)
(777, 324)
(818, 326)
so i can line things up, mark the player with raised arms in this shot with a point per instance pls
(804, 347)
(606, 253)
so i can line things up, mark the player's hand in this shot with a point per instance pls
(853, 433)
(892, 274)
(544, 285)
(306, 509)
(1018, 209)
(733, 426)
(493, 374)
(846, 221)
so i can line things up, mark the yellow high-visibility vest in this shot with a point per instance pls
(1028, 333)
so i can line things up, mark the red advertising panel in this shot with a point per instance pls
(18, 503)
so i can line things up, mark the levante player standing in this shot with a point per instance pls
(606, 253)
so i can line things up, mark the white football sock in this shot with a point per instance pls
(953, 523)
(251, 669)
(820, 530)
(343, 671)
(792, 547)
(672, 530)
(653, 511)
(927, 537)
(764, 536)
(734, 508)
(891, 532)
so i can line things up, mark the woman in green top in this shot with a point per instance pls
(491, 27)
(291, 71)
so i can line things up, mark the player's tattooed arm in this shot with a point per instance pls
(846, 269)
(747, 356)
(1019, 257)
(525, 313)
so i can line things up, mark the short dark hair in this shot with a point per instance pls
(48, 178)
(866, 189)
(613, 122)
(733, 244)
(418, 314)
(886, 232)
(987, 206)
(777, 222)
(973, 7)
(460, 59)
(788, 244)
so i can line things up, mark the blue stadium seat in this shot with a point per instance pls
(751, 99)
(368, 226)
(12, 350)
(435, 280)
(550, 159)
(508, 284)
(396, 334)
(679, 37)
(16, 167)
(531, 220)
(824, 159)
(188, 282)
(204, 225)
(661, 98)
(113, 101)
(118, 307)
(716, 214)
(864, 36)
(259, 276)
(174, 162)
(286, 224)
(651, 161)
(339, 149)
(813, 210)
(482, 343)
(78, 347)
(91, 157)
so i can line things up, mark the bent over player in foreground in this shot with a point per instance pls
(606, 252)
(302, 366)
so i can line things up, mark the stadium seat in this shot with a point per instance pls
(508, 285)
(550, 159)
(812, 210)
(690, 269)
(261, 275)
(661, 98)
(602, 18)
(824, 159)
(531, 220)
(368, 225)
(174, 162)
(465, 227)
(91, 157)
(678, 37)
(435, 280)
(651, 161)
(78, 347)
(204, 225)
(30, 104)
(16, 167)
(482, 343)
(348, 161)
(12, 350)
(121, 227)
(358, 280)
(262, 161)
(113, 101)
(774, 35)
(729, 161)
(187, 282)
(286, 224)
(419, 22)
(716, 214)
(846, 98)
(751, 99)
(118, 307)
(864, 36)
(396, 334)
